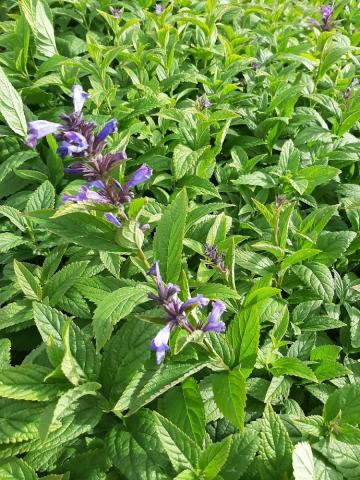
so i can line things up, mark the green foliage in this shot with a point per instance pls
(248, 115)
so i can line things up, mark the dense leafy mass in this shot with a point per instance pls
(240, 185)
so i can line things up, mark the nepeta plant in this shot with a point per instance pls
(189, 309)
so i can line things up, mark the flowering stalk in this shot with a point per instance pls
(326, 17)
(77, 139)
(176, 313)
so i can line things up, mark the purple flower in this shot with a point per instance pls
(349, 89)
(139, 176)
(160, 344)
(110, 217)
(116, 12)
(204, 102)
(159, 9)
(213, 324)
(214, 256)
(326, 12)
(255, 66)
(39, 129)
(109, 128)
(176, 311)
(198, 301)
(73, 143)
(85, 195)
(327, 20)
(79, 97)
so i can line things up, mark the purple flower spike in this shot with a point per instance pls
(110, 217)
(79, 97)
(159, 344)
(108, 129)
(326, 12)
(159, 9)
(139, 176)
(73, 143)
(213, 324)
(74, 169)
(39, 129)
(348, 90)
(198, 301)
(85, 195)
(255, 66)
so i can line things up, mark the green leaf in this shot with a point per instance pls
(42, 198)
(169, 236)
(50, 323)
(214, 457)
(16, 469)
(29, 284)
(230, 396)
(292, 366)
(317, 175)
(11, 106)
(182, 451)
(217, 291)
(342, 456)
(5, 355)
(152, 381)
(298, 257)
(258, 179)
(242, 452)
(184, 407)
(114, 307)
(27, 382)
(303, 462)
(123, 448)
(38, 15)
(275, 448)
(55, 411)
(318, 278)
(184, 160)
(63, 280)
(243, 334)
(333, 245)
(348, 122)
(9, 241)
(329, 57)
(84, 229)
(344, 402)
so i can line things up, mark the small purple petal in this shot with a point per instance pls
(314, 22)
(159, 9)
(139, 176)
(110, 217)
(109, 128)
(159, 344)
(74, 142)
(154, 270)
(85, 195)
(326, 12)
(79, 97)
(97, 184)
(74, 169)
(39, 129)
(198, 301)
(213, 324)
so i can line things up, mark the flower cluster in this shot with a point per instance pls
(76, 138)
(214, 256)
(349, 89)
(176, 313)
(326, 17)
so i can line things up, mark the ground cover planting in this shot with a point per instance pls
(179, 240)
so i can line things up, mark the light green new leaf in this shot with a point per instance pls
(214, 457)
(293, 366)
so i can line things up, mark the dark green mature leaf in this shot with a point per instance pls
(344, 402)
(318, 278)
(115, 306)
(230, 396)
(168, 240)
(275, 448)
